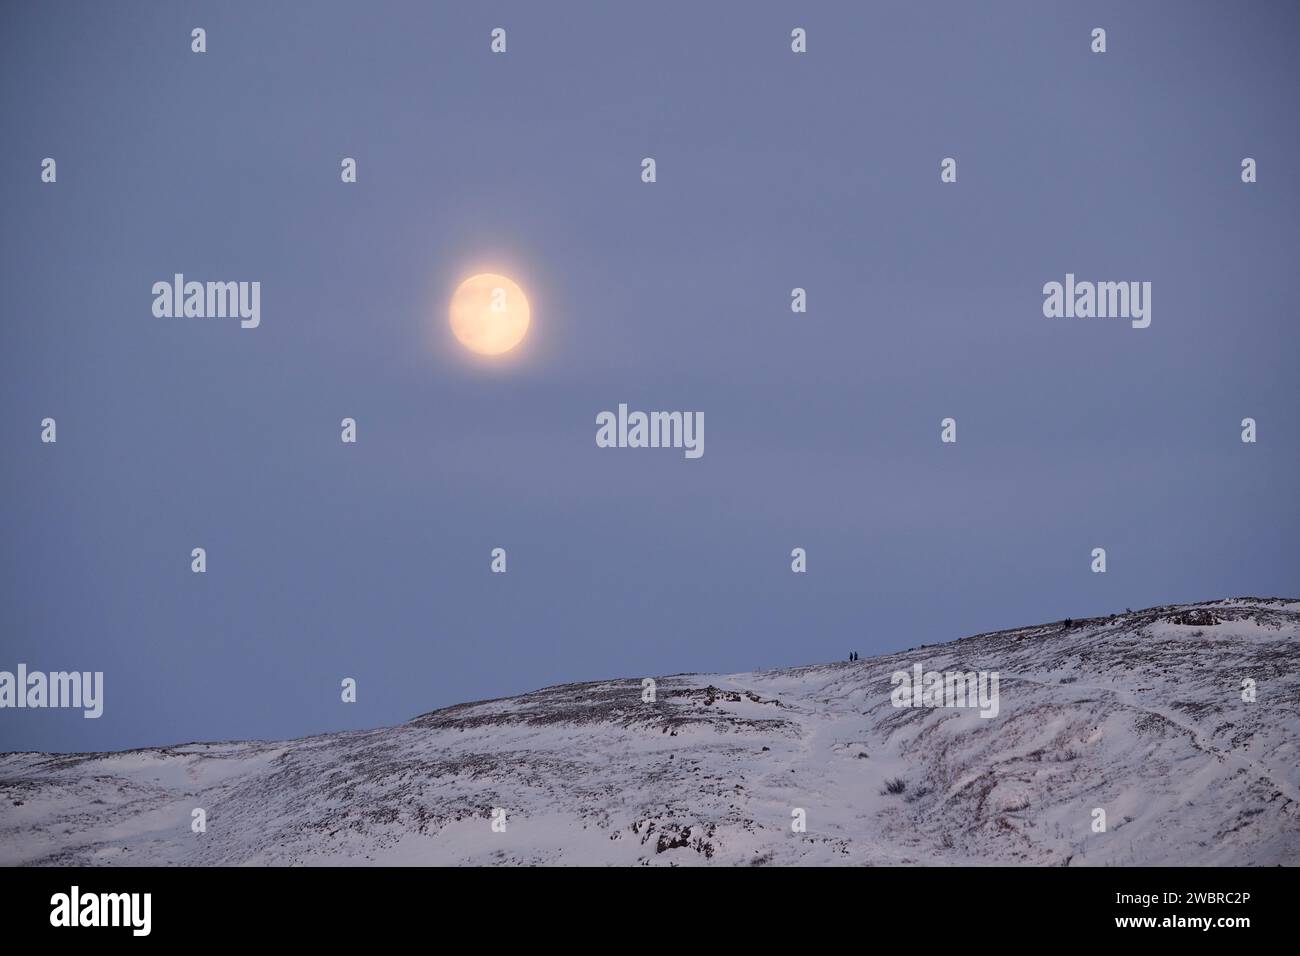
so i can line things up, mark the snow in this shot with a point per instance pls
(1140, 714)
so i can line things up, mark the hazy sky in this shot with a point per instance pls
(775, 170)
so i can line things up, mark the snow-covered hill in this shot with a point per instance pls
(1140, 715)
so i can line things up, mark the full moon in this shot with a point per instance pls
(489, 314)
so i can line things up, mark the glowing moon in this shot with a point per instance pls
(489, 314)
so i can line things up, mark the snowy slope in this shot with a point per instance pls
(1140, 714)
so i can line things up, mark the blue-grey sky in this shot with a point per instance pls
(775, 170)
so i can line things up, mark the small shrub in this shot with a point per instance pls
(895, 786)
